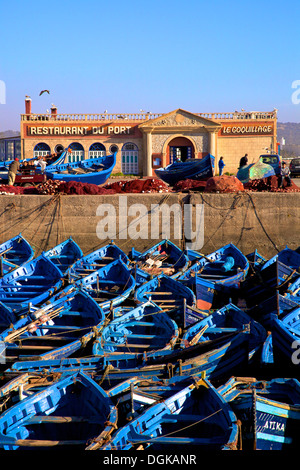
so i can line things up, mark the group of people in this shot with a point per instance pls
(25, 168)
(285, 174)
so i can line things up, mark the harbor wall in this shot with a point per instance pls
(263, 221)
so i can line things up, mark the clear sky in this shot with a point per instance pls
(160, 55)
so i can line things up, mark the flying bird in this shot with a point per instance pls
(45, 91)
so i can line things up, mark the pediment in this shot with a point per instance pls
(180, 118)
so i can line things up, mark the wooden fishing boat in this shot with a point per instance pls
(169, 294)
(110, 285)
(96, 260)
(286, 338)
(92, 170)
(275, 277)
(256, 261)
(13, 253)
(267, 356)
(58, 329)
(32, 282)
(276, 306)
(7, 316)
(67, 413)
(163, 258)
(142, 329)
(64, 254)
(216, 359)
(193, 168)
(269, 411)
(286, 256)
(195, 417)
(227, 319)
(225, 267)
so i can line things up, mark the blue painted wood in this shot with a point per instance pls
(64, 254)
(98, 170)
(196, 416)
(223, 321)
(214, 268)
(95, 260)
(14, 253)
(269, 411)
(143, 329)
(72, 411)
(55, 330)
(196, 169)
(33, 282)
(110, 285)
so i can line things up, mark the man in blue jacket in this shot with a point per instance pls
(221, 166)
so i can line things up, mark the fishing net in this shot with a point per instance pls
(223, 184)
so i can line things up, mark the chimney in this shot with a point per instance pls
(53, 111)
(27, 105)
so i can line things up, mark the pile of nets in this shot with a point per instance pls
(270, 184)
(223, 184)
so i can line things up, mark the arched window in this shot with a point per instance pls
(77, 152)
(130, 159)
(97, 150)
(41, 150)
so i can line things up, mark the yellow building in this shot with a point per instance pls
(146, 141)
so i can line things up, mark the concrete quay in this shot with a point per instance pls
(263, 221)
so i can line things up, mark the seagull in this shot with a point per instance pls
(44, 91)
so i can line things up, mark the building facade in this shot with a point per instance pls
(10, 147)
(146, 141)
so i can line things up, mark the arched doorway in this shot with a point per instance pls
(180, 148)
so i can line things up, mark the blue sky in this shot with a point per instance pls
(211, 56)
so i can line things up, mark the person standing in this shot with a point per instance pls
(42, 164)
(284, 175)
(221, 166)
(244, 160)
(12, 171)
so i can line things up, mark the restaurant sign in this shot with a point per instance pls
(79, 130)
(234, 130)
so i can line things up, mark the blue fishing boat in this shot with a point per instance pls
(215, 358)
(64, 254)
(276, 306)
(286, 256)
(267, 356)
(226, 320)
(256, 261)
(286, 338)
(269, 411)
(7, 316)
(33, 282)
(272, 278)
(93, 170)
(110, 285)
(195, 417)
(293, 290)
(163, 258)
(169, 294)
(193, 168)
(57, 329)
(67, 413)
(225, 268)
(13, 253)
(96, 260)
(142, 329)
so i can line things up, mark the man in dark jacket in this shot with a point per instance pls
(13, 168)
(244, 160)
